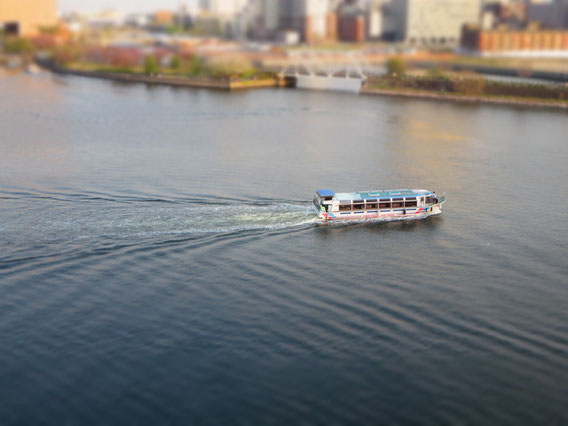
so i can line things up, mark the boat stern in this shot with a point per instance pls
(322, 203)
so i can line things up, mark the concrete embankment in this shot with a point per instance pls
(169, 80)
(464, 98)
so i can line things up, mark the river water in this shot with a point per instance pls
(160, 263)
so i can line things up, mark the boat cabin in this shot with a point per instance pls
(327, 201)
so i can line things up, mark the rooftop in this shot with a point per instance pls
(381, 194)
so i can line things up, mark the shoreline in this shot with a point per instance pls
(421, 94)
(230, 85)
(168, 80)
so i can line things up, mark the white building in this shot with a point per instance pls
(223, 7)
(375, 19)
(431, 22)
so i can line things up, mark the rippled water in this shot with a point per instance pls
(159, 261)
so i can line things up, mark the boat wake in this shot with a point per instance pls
(68, 221)
(230, 218)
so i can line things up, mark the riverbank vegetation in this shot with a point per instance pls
(147, 60)
(439, 82)
(156, 61)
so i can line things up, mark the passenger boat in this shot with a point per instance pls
(396, 203)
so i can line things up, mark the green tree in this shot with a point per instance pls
(396, 67)
(196, 67)
(17, 45)
(175, 63)
(250, 73)
(175, 29)
(151, 65)
(436, 73)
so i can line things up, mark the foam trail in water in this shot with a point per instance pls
(96, 219)
(228, 218)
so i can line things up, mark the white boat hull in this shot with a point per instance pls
(418, 213)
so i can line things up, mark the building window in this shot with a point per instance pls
(12, 29)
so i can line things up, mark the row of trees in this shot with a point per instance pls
(160, 61)
(130, 59)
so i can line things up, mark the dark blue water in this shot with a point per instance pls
(160, 264)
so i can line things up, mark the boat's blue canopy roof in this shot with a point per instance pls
(392, 193)
(351, 196)
(325, 193)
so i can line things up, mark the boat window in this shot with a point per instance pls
(429, 200)
(371, 206)
(396, 205)
(410, 202)
(371, 200)
(358, 206)
(384, 205)
(398, 199)
(344, 207)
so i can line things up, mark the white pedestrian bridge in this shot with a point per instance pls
(327, 69)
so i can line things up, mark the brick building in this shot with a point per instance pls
(487, 42)
(352, 28)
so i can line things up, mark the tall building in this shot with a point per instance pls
(432, 22)
(313, 19)
(496, 13)
(375, 19)
(26, 17)
(223, 16)
(360, 20)
(553, 14)
(351, 22)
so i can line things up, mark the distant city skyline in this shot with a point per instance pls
(121, 5)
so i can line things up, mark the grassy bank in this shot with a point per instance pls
(469, 88)
(167, 79)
